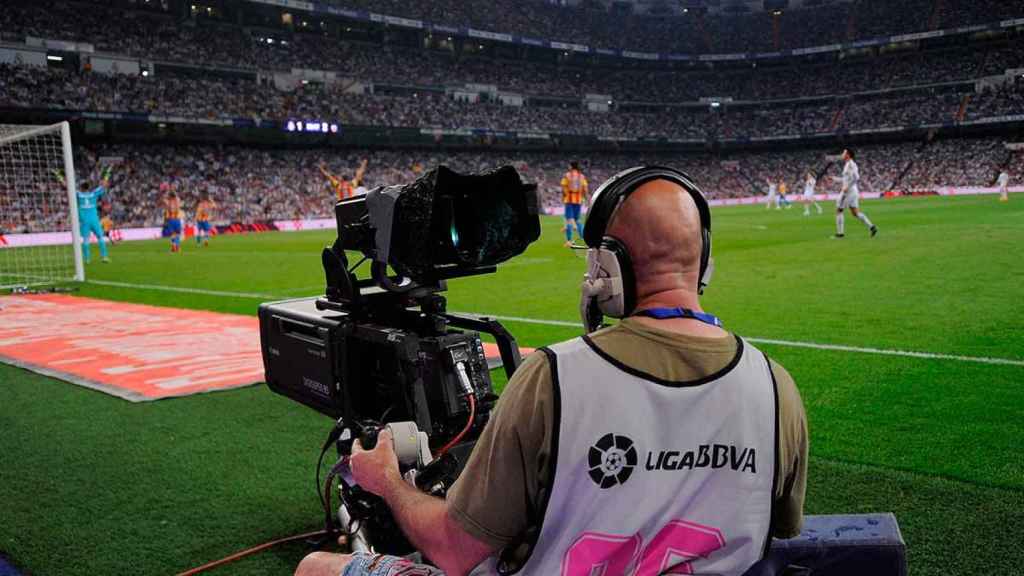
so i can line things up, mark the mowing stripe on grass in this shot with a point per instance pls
(564, 323)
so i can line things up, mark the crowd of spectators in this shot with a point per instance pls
(593, 24)
(164, 39)
(252, 184)
(998, 101)
(207, 98)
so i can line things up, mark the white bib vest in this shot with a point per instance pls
(656, 477)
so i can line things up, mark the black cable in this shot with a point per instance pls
(323, 503)
(332, 437)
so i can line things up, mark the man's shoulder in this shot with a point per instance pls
(790, 402)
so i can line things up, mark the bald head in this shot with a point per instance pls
(660, 225)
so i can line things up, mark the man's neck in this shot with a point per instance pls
(677, 299)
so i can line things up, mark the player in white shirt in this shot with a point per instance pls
(849, 196)
(809, 183)
(773, 196)
(1003, 182)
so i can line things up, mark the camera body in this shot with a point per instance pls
(366, 371)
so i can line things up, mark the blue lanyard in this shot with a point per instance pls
(667, 313)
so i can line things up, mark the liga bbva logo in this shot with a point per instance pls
(612, 459)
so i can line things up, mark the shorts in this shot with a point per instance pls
(367, 564)
(203, 226)
(572, 212)
(848, 200)
(174, 226)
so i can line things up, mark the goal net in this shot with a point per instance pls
(39, 235)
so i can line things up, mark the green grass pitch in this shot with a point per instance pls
(90, 484)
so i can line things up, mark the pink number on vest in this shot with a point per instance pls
(669, 552)
(675, 545)
(604, 554)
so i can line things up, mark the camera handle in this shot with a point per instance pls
(510, 357)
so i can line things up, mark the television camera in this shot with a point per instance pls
(383, 350)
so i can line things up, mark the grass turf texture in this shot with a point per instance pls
(95, 485)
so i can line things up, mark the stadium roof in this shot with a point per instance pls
(711, 6)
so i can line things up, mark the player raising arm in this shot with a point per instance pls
(343, 187)
(89, 216)
(849, 196)
(204, 213)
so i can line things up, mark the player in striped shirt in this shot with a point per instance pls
(172, 219)
(342, 186)
(574, 193)
(204, 212)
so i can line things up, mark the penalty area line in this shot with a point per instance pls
(566, 324)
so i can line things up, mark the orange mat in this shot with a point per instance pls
(134, 351)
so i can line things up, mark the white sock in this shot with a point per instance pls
(840, 224)
(818, 206)
(864, 218)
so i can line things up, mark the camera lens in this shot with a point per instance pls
(455, 234)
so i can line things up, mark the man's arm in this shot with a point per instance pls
(330, 177)
(793, 448)
(424, 519)
(360, 172)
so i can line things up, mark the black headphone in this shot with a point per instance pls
(609, 286)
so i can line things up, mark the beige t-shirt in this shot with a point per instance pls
(501, 491)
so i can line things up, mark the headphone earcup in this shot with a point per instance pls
(619, 262)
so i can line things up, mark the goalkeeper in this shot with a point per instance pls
(89, 215)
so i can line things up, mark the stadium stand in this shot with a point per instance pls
(255, 184)
(221, 63)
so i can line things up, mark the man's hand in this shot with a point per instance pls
(376, 470)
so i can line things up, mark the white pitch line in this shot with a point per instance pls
(566, 324)
(890, 352)
(183, 289)
(795, 344)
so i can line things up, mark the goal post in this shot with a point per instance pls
(40, 237)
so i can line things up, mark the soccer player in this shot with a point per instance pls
(172, 218)
(849, 195)
(343, 187)
(108, 227)
(773, 197)
(574, 193)
(809, 183)
(204, 211)
(1003, 182)
(783, 190)
(89, 216)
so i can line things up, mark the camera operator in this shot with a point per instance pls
(700, 441)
